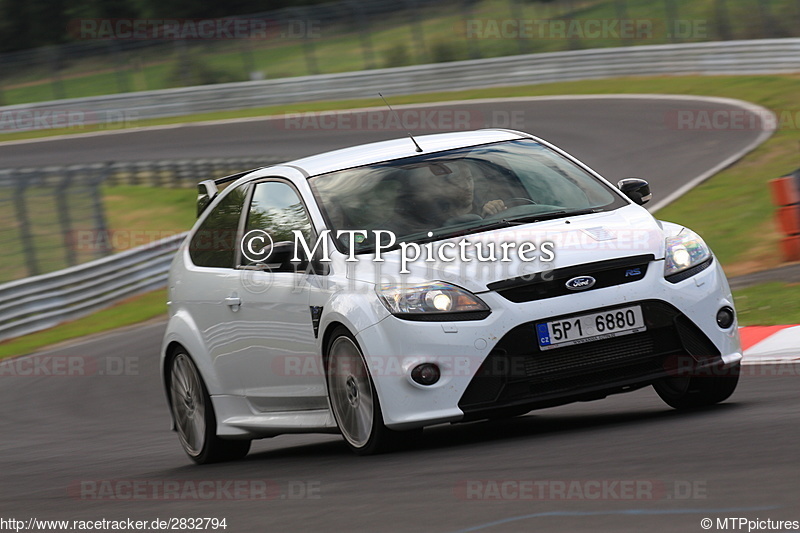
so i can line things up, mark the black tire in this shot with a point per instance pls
(194, 416)
(353, 399)
(687, 392)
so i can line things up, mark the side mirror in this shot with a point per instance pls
(206, 191)
(638, 190)
(280, 260)
(280, 256)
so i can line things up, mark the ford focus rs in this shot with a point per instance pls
(376, 290)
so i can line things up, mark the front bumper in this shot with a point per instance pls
(494, 365)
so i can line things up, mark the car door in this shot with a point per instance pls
(210, 282)
(280, 365)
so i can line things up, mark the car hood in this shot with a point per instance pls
(559, 243)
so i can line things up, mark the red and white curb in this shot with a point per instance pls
(770, 344)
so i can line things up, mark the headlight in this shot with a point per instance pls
(684, 251)
(428, 299)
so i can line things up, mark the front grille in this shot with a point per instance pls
(587, 356)
(517, 372)
(552, 283)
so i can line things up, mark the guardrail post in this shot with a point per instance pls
(98, 211)
(722, 19)
(786, 195)
(364, 34)
(248, 62)
(21, 212)
(671, 16)
(184, 63)
(621, 7)
(308, 42)
(54, 59)
(64, 220)
(516, 14)
(418, 34)
(473, 47)
(119, 66)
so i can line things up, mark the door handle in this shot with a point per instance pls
(234, 302)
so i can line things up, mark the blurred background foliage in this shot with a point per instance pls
(43, 56)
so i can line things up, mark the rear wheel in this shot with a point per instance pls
(354, 400)
(687, 392)
(194, 415)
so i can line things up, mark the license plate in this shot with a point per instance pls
(591, 327)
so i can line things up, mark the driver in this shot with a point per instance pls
(442, 192)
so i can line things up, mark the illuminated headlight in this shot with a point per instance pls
(428, 299)
(684, 251)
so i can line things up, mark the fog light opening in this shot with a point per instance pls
(426, 374)
(725, 317)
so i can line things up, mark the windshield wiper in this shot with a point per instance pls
(562, 214)
(423, 237)
(529, 219)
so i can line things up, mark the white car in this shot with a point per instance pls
(447, 278)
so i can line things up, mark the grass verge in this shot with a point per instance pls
(760, 304)
(130, 311)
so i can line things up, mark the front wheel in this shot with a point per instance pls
(353, 398)
(194, 416)
(698, 391)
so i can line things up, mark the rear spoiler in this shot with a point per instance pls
(207, 190)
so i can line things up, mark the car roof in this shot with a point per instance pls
(377, 152)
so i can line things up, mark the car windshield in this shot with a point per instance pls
(457, 192)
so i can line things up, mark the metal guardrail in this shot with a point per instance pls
(53, 217)
(300, 40)
(181, 173)
(708, 58)
(40, 302)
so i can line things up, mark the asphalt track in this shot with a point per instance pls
(666, 141)
(85, 427)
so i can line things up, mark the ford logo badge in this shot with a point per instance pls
(581, 283)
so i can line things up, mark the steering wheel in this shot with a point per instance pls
(514, 202)
(462, 219)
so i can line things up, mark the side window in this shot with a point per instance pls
(277, 209)
(214, 243)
